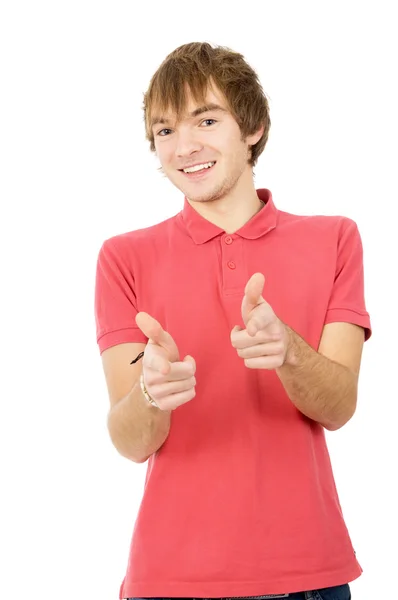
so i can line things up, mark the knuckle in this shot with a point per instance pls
(153, 391)
(158, 390)
(150, 377)
(276, 362)
(189, 383)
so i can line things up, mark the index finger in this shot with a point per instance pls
(174, 371)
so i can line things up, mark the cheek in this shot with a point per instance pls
(164, 153)
(234, 149)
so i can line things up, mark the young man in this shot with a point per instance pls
(267, 309)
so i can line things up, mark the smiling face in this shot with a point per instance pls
(203, 153)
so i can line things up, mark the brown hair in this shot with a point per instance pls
(195, 66)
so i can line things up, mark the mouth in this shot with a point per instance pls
(197, 171)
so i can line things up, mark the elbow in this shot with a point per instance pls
(339, 421)
(334, 426)
(127, 452)
(121, 444)
(141, 460)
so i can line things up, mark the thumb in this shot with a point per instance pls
(153, 330)
(253, 295)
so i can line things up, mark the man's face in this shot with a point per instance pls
(206, 142)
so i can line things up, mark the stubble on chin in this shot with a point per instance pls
(212, 195)
(209, 197)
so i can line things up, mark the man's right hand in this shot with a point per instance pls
(168, 381)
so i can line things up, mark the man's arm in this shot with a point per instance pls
(323, 385)
(137, 429)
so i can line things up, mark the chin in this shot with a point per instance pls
(206, 194)
(204, 197)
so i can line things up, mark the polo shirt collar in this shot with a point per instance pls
(201, 230)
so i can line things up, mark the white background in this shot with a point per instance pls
(76, 169)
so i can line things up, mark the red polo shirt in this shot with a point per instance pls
(240, 500)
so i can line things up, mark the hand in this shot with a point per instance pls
(168, 381)
(265, 341)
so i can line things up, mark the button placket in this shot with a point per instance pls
(232, 264)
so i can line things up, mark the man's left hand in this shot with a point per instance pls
(265, 341)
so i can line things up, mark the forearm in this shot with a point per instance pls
(320, 388)
(137, 428)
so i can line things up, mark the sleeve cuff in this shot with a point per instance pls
(346, 315)
(121, 336)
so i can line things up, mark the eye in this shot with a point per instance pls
(163, 132)
(209, 122)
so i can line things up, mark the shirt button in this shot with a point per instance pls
(231, 265)
(228, 240)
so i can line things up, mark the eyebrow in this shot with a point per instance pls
(195, 113)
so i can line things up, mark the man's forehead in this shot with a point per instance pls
(190, 113)
(212, 100)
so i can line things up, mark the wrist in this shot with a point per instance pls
(145, 393)
(291, 348)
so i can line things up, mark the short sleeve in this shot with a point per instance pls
(115, 298)
(347, 301)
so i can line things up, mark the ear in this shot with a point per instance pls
(255, 137)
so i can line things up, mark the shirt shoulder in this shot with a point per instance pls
(142, 238)
(317, 221)
(321, 229)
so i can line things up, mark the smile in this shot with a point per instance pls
(197, 168)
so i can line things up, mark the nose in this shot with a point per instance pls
(187, 144)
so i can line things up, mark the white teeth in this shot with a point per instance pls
(198, 167)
